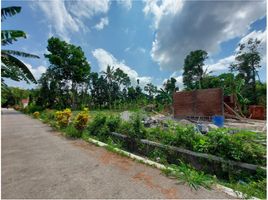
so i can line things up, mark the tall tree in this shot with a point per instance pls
(121, 78)
(151, 89)
(193, 69)
(247, 63)
(170, 86)
(69, 68)
(12, 67)
(99, 90)
(165, 95)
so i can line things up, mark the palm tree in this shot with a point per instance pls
(109, 74)
(109, 77)
(12, 67)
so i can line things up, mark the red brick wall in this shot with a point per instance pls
(203, 103)
(257, 112)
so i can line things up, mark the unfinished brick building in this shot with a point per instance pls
(198, 103)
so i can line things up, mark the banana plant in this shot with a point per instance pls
(11, 66)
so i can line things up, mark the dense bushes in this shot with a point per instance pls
(31, 108)
(98, 126)
(81, 120)
(63, 117)
(240, 146)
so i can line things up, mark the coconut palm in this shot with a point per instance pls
(12, 67)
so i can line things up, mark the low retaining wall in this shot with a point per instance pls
(209, 163)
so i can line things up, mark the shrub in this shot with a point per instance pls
(63, 117)
(98, 126)
(113, 122)
(31, 108)
(126, 128)
(50, 114)
(161, 135)
(72, 132)
(36, 114)
(81, 120)
(139, 131)
(240, 146)
(186, 137)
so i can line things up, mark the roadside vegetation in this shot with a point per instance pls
(241, 146)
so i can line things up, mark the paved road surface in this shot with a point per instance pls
(39, 163)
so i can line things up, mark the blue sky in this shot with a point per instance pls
(147, 39)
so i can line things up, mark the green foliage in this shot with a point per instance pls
(186, 174)
(158, 156)
(261, 93)
(113, 122)
(9, 11)
(33, 108)
(68, 65)
(193, 69)
(98, 126)
(36, 114)
(126, 128)
(50, 114)
(241, 146)
(165, 95)
(81, 120)
(13, 95)
(151, 89)
(138, 128)
(72, 132)
(251, 188)
(12, 67)
(247, 63)
(63, 117)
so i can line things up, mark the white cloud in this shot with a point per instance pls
(66, 17)
(87, 9)
(179, 80)
(105, 58)
(36, 71)
(224, 64)
(103, 22)
(162, 8)
(142, 50)
(127, 4)
(260, 35)
(127, 49)
(185, 26)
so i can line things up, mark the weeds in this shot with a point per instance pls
(250, 189)
(186, 174)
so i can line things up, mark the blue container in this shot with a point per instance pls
(218, 120)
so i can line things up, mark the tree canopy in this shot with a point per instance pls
(193, 69)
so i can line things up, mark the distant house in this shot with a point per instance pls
(25, 102)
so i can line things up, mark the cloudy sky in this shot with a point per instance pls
(147, 39)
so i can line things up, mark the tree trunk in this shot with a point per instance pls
(254, 86)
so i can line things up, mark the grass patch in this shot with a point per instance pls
(250, 189)
(186, 174)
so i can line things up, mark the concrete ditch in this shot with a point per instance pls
(209, 163)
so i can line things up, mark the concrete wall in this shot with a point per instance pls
(199, 103)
